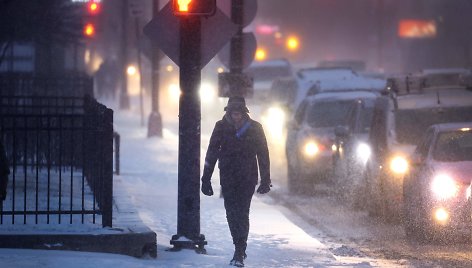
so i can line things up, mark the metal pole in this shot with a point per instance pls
(155, 119)
(236, 45)
(124, 98)
(140, 71)
(188, 214)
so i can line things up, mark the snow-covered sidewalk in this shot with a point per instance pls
(148, 181)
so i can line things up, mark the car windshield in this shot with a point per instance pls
(454, 146)
(329, 113)
(411, 123)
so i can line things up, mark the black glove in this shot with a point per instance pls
(206, 188)
(264, 188)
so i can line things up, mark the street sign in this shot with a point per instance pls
(249, 10)
(249, 45)
(164, 32)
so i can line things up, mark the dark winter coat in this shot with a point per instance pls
(238, 156)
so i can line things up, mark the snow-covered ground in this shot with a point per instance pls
(149, 175)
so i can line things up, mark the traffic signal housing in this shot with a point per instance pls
(93, 9)
(194, 7)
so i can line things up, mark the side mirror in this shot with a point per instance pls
(341, 131)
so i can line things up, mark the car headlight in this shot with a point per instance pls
(174, 92)
(441, 215)
(207, 92)
(274, 121)
(444, 187)
(311, 149)
(399, 165)
(363, 152)
(276, 115)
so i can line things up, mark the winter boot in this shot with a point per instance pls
(239, 256)
(237, 260)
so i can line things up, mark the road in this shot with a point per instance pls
(353, 233)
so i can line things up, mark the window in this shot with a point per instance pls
(329, 114)
(453, 146)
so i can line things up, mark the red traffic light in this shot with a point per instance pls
(93, 7)
(194, 7)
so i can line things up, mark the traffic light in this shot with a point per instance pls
(92, 10)
(89, 30)
(194, 7)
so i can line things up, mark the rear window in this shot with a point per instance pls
(329, 114)
(453, 146)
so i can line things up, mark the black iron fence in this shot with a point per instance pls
(60, 151)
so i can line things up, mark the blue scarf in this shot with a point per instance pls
(243, 129)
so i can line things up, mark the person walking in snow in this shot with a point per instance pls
(4, 171)
(239, 144)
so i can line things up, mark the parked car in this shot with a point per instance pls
(310, 135)
(434, 191)
(398, 122)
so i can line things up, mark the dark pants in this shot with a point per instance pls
(237, 201)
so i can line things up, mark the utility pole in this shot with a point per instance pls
(236, 47)
(155, 119)
(124, 98)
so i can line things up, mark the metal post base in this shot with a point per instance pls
(182, 242)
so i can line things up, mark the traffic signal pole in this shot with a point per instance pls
(236, 45)
(124, 98)
(188, 214)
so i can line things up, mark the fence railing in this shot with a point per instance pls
(60, 151)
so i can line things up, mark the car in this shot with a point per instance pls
(287, 93)
(399, 119)
(434, 190)
(263, 74)
(352, 150)
(310, 136)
